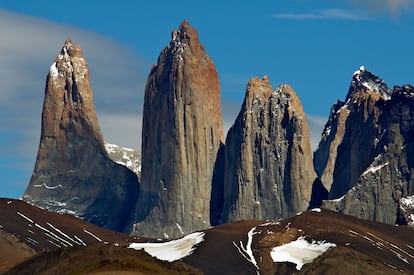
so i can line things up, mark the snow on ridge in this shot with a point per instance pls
(373, 169)
(300, 251)
(53, 70)
(173, 250)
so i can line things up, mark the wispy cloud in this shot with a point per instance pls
(117, 78)
(325, 14)
(316, 125)
(394, 7)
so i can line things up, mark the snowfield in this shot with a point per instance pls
(173, 250)
(300, 252)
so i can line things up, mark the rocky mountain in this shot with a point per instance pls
(181, 136)
(73, 172)
(268, 161)
(312, 242)
(366, 158)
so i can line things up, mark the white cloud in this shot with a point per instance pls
(326, 14)
(29, 46)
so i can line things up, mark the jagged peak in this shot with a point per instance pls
(364, 80)
(186, 37)
(259, 88)
(69, 63)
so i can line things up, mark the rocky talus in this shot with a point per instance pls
(73, 172)
(366, 157)
(182, 134)
(268, 159)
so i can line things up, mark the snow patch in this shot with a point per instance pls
(300, 252)
(173, 250)
(318, 210)
(373, 169)
(92, 235)
(47, 186)
(25, 217)
(53, 70)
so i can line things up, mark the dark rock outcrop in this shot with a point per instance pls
(366, 156)
(181, 135)
(268, 164)
(73, 172)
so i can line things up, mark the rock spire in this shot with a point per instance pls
(268, 163)
(73, 173)
(181, 135)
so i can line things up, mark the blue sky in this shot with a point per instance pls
(313, 45)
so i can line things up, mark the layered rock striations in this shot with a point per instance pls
(181, 135)
(73, 172)
(366, 157)
(268, 159)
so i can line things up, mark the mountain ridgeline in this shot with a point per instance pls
(193, 178)
(366, 156)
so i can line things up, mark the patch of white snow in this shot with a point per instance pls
(173, 250)
(47, 186)
(92, 235)
(300, 252)
(373, 169)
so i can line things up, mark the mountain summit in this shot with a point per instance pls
(181, 135)
(73, 172)
(365, 158)
(268, 161)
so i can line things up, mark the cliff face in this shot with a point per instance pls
(73, 173)
(182, 133)
(366, 162)
(268, 163)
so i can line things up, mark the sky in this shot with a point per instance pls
(312, 45)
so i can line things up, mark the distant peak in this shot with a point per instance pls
(184, 24)
(69, 63)
(185, 36)
(361, 70)
(364, 80)
(68, 42)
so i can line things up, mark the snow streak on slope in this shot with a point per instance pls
(247, 251)
(173, 250)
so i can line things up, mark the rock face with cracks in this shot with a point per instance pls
(268, 164)
(182, 133)
(73, 173)
(366, 157)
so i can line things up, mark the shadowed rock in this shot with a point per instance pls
(366, 158)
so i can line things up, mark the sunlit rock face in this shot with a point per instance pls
(182, 133)
(268, 159)
(73, 173)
